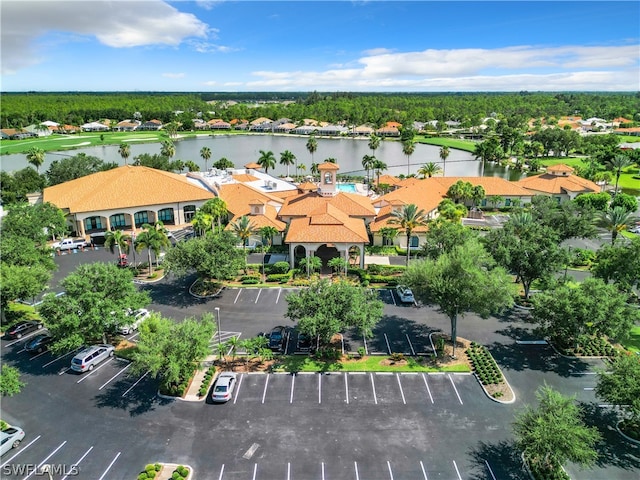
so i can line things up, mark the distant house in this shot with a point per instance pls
(152, 125)
(219, 124)
(332, 130)
(127, 126)
(361, 131)
(94, 127)
(559, 183)
(15, 134)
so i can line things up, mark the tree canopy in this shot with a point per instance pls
(619, 264)
(620, 385)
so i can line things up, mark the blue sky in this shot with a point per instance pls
(153, 45)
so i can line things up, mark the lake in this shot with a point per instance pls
(242, 149)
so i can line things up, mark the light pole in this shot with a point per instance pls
(217, 309)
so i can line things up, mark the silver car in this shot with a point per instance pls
(223, 387)
(91, 356)
(138, 317)
(11, 438)
(405, 294)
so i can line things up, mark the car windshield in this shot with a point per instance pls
(77, 361)
(276, 336)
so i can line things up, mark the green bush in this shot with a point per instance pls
(278, 277)
(375, 269)
(176, 476)
(182, 470)
(382, 279)
(582, 257)
(484, 364)
(251, 281)
(279, 268)
(144, 476)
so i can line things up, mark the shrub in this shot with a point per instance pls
(382, 279)
(397, 357)
(278, 277)
(143, 476)
(182, 470)
(176, 476)
(582, 257)
(251, 281)
(279, 268)
(362, 351)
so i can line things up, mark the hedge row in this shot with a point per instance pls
(484, 365)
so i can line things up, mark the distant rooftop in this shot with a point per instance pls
(263, 182)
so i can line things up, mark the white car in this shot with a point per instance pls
(11, 438)
(138, 317)
(405, 294)
(223, 387)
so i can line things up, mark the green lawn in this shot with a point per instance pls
(466, 145)
(633, 343)
(570, 161)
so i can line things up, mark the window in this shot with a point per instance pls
(387, 241)
(189, 212)
(93, 223)
(118, 220)
(507, 202)
(328, 178)
(166, 215)
(141, 218)
(413, 242)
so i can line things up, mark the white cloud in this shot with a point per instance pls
(173, 75)
(115, 24)
(207, 47)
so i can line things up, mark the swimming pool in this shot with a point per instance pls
(347, 187)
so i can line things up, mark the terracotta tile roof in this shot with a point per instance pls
(628, 130)
(327, 224)
(284, 193)
(245, 177)
(310, 186)
(268, 219)
(351, 204)
(385, 215)
(556, 184)
(561, 167)
(253, 165)
(124, 187)
(389, 180)
(236, 196)
(260, 120)
(328, 166)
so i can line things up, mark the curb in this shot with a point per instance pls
(626, 437)
(503, 402)
(203, 296)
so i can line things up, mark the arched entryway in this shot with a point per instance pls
(326, 252)
(299, 253)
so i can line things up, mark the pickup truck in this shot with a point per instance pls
(70, 244)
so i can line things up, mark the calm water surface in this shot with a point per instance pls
(242, 149)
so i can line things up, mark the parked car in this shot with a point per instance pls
(71, 244)
(405, 294)
(304, 343)
(91, 356)
(223, 387)
(138, 317)
(123, 261)
(39, 343)
(21, 329)
(277, 338)
(10, 438)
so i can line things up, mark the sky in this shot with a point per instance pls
(380, 46)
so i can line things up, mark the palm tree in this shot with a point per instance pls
(201, 222)
(388, 233)
(367, 164)
(171, 128)
(233, 343)
(379, 166)
(618, 163)
(124, 150)
(374, 143)
(312, 146)
(154, 239)
(35, 156)
(117, 239)
(615, 220)
(409, 218)
(244, 228)
(477, 195)
(408, 148)
(192, 166)
(205, 153)
(444, 153)
(217, 208)
(520, 221)
(314, 169)
(267, 233)
(168, 149)
(267, 160)
(288, 158)
(429, 169)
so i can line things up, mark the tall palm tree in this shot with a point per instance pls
(117, 239)
(244, 228)
(429, 169)
(367, 164)
(409, 218)
(477, 194)
(205, 153)
(374, 143)
(408, 148)
(615, 220)
(192, 166)
(267, 233)
(520, 221)
(267, 160)
(168, 149)
(125, 151)
(314, 169)
(444, 153)
(617, 164)
(217, 208)
(312, 146)
(379, 166)
(202, 222)
(152, 239)
(288, 158)
(35, 156)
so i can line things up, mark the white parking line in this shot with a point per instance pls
(490, 471)
(278, 297)
(25, 337)
(133, 336)
(108, 381)
(373, 387)
(22, 450)
(255, 470)
(266, 383)
(386, 339)
(457, 471)
(60, 357)
(456, 390)
(413, 352)
(319, 389)
(346, 388)
(355, 464)
(137, 382)
(75, 465)
(392, 297)
(258, 296)
(94, 371)
(288, 471)
(293, 381)
(424, 472)
(589, 388)
(109, 467)
(238, 389)
(38, 355)
(401, 391)
(238, 295)
(322, 469)
(390, 472)
(45, 460)
(426, 384)
(221, 472)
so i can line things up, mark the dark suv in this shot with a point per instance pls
(21, 329)
(277, 339)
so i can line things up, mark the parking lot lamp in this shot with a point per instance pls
(217, 309)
